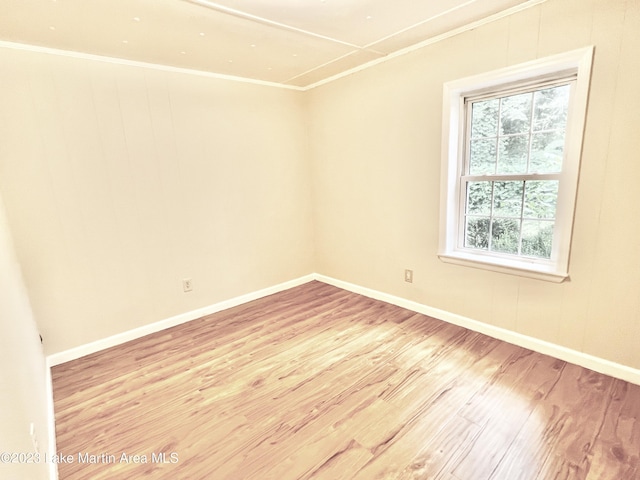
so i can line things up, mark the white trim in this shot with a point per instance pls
(136, 63)
(576, 63)
(425, 43)
(51, 421)
(430, 41)
(120, 338)
(582, 359)
(591, 362)
(272, 23)
(539, 271)
(597, 364)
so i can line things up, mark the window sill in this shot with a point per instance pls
(503, 265)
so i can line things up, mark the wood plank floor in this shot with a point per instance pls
(316, 382)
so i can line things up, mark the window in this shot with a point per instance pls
(513, 158)
(511, 151)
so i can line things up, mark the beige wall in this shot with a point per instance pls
(376, 138)
(23, 395)
(120, 181)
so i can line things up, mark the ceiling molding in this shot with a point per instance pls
(422, 22)
(283, 85)
(136, 63)
(429, 41)
(272, 23)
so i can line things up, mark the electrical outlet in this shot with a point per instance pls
(408, 276)
(187, 285)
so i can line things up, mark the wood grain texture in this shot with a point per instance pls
(319, 383)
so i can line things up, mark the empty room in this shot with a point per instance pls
(319, 239)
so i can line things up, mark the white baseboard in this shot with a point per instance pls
(120, 338)
(597, 364)
(51, 421)
(591, 362)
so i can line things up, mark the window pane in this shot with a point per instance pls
(515, 116)
(550, 111)
(505, 234)
(537, 237)
(483, 157)
(513, 154)
(484, 118)
(479, 198)
(547, 151)
(540, 199)
(507, 199)
(477, 233)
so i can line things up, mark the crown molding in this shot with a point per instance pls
(284, 85)
(136, 63)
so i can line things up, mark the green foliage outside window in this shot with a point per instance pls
(515, 135)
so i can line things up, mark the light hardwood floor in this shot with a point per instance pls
(317, 382)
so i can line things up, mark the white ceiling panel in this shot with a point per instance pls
(357, 22)
(293, 42)
(346, 63)
(447, 21)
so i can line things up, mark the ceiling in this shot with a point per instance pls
(297, 43)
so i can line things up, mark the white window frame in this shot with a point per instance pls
(451, 249)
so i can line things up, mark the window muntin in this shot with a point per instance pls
(513, 157)
(517, 148)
